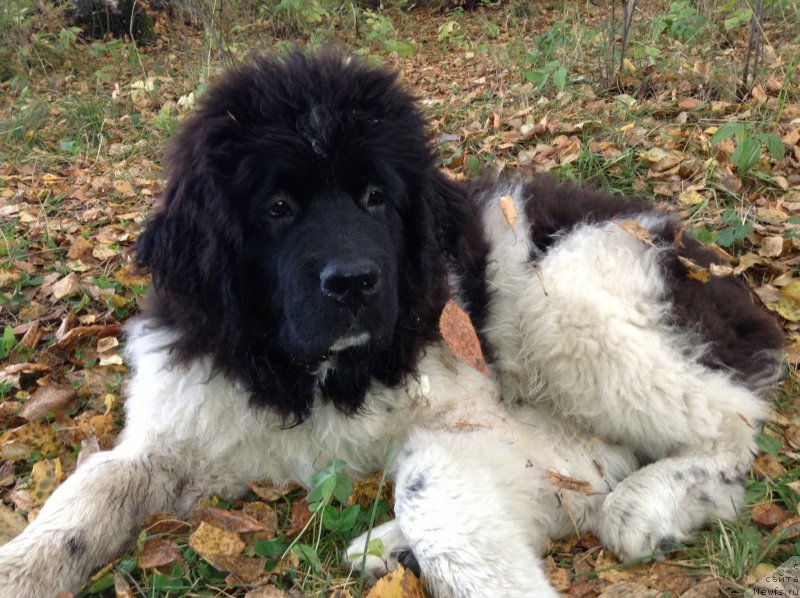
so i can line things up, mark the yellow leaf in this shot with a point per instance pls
(788, 305)
(400, 583)
(509, 209)
(44, 478)
(211, 542)
(691, 198)
(18, 444)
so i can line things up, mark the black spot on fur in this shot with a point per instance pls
(677, 475)
(418, 484)
(76, 546)
(668, 544)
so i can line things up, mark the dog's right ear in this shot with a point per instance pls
(189, 245)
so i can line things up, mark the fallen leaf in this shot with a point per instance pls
(18, 444)
(45, 476)
(768, 515)
(158, 552)
(509, 210)
(248, 569)
(789, 529)
(45, 399)
(122, 588)
(212, 542)
(459, 334)
(400, 583)
(771, 247)
(11, 524)
(629, 589)
(695, 271)
(568, 483)
(636, 230)
(707, 588)
(231, 521)
(767, 466)
(275, 592)
(66, 286)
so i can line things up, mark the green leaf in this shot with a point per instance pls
(773, 143)
(768, 444)
(560, 78)
(306, 553)
(271, 549)
(728, 130)
(746, 154)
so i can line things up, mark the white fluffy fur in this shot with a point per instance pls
(584, 352)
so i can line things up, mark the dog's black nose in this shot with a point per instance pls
(350, 282)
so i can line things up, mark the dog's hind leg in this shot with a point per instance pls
(90, 519)
(667, 501)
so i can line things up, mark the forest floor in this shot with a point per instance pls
(518, 87)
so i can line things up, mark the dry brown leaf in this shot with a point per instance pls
(636, 230)
(768, 515)
(509, 210)
(300, 516)
(65, 287)
(707, 588)
(11, 523)
(629, 589)
(21, 374)
(268, 592)
(164, 523)
(231, 521)
(158, 552)
(212, 542)
(122, 588)
(45, 399)
(248, 569)
(459, 334)
(82, 332)
(400, 583)
(558, 577)
(771, 246)
(268, 491)
(767, 466)
(695, 271)
(568, 483)
(789, 529)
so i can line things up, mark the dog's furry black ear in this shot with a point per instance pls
(189, 245)
(463, 241)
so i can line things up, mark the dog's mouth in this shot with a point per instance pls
(347, 342)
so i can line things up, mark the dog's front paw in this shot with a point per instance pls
(380, 553)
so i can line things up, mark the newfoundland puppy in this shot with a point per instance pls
(303, 254)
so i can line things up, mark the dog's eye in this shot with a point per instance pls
(375, 198)
(281, 209)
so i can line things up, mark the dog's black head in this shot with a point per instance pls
(297, 244)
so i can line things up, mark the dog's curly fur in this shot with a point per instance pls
(304, 250)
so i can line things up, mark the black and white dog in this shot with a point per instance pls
(302, 256)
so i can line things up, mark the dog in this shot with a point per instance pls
(304, 250)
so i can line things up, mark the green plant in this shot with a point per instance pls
(749, 145)
(682, 22)
(299, 16)
(381, 29)
(543, 64)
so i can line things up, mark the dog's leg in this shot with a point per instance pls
(90, 519)
(474, 514)
(667, 501)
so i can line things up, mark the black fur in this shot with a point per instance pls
(344, 151)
